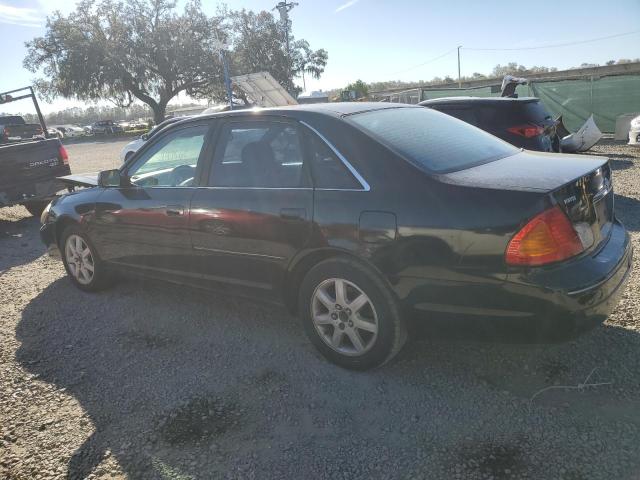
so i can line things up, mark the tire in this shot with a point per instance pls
(36, 208)
(321, 320)
(100, 278)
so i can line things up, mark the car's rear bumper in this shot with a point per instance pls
(555, 301)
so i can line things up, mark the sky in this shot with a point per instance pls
(377, 40)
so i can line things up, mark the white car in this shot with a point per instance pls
(132, 147)
(634, 131)
(70, 131)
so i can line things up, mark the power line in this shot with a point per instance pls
(580, 42)
(425, 63)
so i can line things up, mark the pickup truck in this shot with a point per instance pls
(29, 171)
(30, 163)
(14, 128)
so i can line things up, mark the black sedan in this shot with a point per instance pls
(358, 217)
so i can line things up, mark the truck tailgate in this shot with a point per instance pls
(28, 170)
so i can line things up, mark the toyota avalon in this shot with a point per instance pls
(359, 217)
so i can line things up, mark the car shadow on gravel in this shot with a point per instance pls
(184, 384)
(19, 241)
(628, 211)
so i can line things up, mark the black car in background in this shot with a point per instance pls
(523, 122)
(357, 217)
(105, 126)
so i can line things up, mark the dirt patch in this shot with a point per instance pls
(553, 370)
(498, 460)
(198, 420)
(136, 339)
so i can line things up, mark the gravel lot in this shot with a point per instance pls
(154, 381)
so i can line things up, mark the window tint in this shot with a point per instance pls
(170, 162)
(327, 169)
(464, 114)
(431, 140)
(259, 154)
(513, 113)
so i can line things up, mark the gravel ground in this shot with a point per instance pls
(85, 157)
(154, 381)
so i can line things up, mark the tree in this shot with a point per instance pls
(259, 44)
(360, 88)
(141, 49)
(308, 61)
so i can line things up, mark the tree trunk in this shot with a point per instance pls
(158, 112)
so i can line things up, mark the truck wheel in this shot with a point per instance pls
(350, 315)
(36, 208)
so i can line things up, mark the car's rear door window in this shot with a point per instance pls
(431, 140)
(259, 154)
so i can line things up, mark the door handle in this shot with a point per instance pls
(293, 214)
(174, 210)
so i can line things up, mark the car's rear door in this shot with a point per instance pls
(145, 224)
(256, 209)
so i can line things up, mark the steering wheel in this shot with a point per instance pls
(182, 175)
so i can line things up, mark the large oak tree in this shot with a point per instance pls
(143, 49)
(122, 51)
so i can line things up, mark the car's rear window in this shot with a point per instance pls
(432, 140)
(513, 113)
(12, 120)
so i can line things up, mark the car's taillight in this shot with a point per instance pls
(527, 131)
(63, 155)
(549, 237)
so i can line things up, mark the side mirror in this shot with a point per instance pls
(110, 178)
(144, 136)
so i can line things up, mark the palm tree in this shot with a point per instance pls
(307, 61)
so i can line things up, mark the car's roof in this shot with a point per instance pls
(337, 109)
(448, 100)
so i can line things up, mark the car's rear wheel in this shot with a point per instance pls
(81, 261)
(350, 315)
(36, 208)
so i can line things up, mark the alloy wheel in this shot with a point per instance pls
(344, 317)
(79, 259)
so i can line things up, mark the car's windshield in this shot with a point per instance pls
(431, 140)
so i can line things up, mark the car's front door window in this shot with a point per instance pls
(263, 154)
(171, 161)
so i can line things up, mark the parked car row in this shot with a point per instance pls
(360, 218)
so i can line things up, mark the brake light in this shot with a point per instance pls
(527, 131)
(63, 155)
(549, 237)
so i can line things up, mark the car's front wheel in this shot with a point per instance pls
(350, 314)
(81, 261)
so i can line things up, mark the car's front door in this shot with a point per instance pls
(256, 210)
(145, 224)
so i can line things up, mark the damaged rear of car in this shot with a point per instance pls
(523, 122)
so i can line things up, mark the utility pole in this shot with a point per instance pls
(459, 79)
(222, 47)
(284, 8)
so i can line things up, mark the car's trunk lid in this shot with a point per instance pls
(580, 184)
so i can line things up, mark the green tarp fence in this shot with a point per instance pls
(576, 99)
